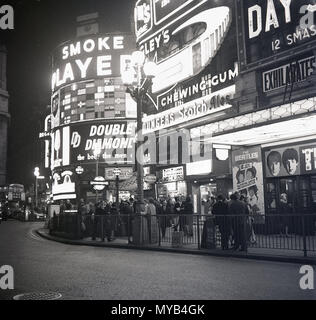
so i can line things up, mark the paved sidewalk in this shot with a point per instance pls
(289, 256)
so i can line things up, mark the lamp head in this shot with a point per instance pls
(150, 69)
(138, 58)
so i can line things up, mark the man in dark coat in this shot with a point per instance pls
(238, 210)
(220, 211)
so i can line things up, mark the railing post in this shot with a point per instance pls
(159, 236)
(102, 228)
(245, 233)
(304, 236)
(198, 231)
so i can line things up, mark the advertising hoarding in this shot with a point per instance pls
(248, 177)
(86, 80)
(91, 57)
(272, 28)
(282, 162)
(115, 140)
(291, 160)
(194, 46)
(287, 74)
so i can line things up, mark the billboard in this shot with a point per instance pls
(91, 57)
(86, 80)
(116, 141)
(272, 28)
(248, 177)
(194, 46)
(282, 162)
(292, 72)
(291, 160)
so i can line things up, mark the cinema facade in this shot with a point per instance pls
(239, 77)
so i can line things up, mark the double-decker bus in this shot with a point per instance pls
(12, 199)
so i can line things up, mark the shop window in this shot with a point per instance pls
(271, 195)
(313, 188)
(304, 192)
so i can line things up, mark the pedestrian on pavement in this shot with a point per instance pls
(188, 212)
(162, 216)
(285, 211)
(220, 211)
(152, 221)
(237, 209)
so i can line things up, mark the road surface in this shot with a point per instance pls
(79, 272)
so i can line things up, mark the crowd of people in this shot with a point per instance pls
(160, 214)
(235, 221)
(234, 218)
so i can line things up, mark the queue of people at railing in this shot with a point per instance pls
(169, 213)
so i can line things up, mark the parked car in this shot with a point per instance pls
(39, 216)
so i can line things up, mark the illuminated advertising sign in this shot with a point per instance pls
(273, 27)
(173, 174)
(294, 71)
(115, 140)
(63, 186)
(90, 58)
(194, 46)
(60, 151)
(217, 104)
(86, 80)
(125, 173)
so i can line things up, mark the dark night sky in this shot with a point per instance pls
(41, 25)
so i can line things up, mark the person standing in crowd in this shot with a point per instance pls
(82, 213)
(170, 213)
(163, 218)
(95, 220)
(237, 209)
(131, 218)
(188, 212)
(285, 211)
(68, 205)
(111, 222)
(220, 211)
(152, 221)
(62, 207)
(177, 212)
(250, 222)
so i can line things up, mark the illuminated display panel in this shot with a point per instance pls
(272, 28)
(163, 9)
(196, 54)
(86, 79)
(77, 143)
(92, 99)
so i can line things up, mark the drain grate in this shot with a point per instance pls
(38, 296)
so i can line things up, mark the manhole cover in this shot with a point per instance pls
(38, 296)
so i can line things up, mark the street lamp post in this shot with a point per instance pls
(145, 72)
(79, 171)
(36, 174)
(117, 173)
(97, 152)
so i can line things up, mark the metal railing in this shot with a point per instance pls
(282, 232)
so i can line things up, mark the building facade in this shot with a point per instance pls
(4, 115)
(93, 120)
(239, 79)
